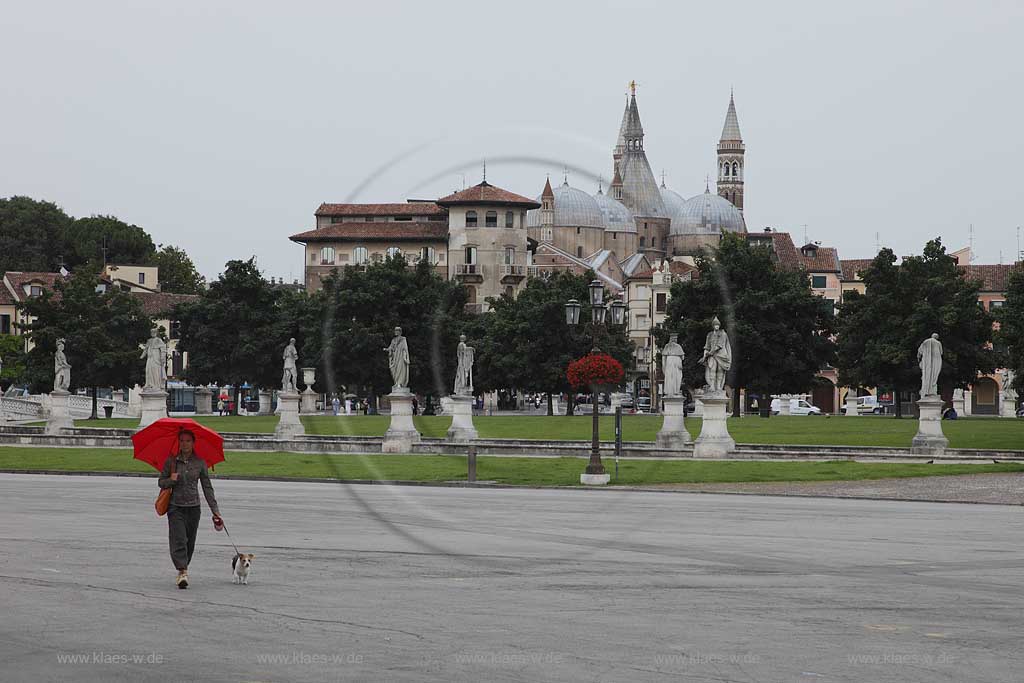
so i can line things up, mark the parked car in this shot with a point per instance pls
(797, 406)
(866, 405)
(627, 403)
(643, 404)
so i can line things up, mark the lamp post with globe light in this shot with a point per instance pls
(599, 316)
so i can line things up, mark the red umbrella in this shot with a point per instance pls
(158, 441)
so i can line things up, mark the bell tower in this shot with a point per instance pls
(731, 158)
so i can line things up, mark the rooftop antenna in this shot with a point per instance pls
(485, 170)
(805, 234)
(103, 248)
(463, 181)
(662, 178)
(970, 242)
(1020, 254)
(878, 243)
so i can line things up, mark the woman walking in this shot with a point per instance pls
(181, 474)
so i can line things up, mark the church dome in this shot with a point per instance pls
(573, 208)
(617, 217)
(707, 214)
(674, 203)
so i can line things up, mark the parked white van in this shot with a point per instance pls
(797, 406)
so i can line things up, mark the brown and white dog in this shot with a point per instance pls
(241, 564)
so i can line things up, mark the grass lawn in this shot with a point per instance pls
(532, 471)
(991, 433)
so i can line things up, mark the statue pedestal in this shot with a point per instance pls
(154, 406)
(1007, 405)
(308, 404)
(60, 413)
(673, 434)
(929, 439)
(785, 407)
(959, 403)
(401, 434)
(698, 403)
(289, 425)
(266, 403)
(461, 408)
(714, 440)
(204, 401)
(851, 404)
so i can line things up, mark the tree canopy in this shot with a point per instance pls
(104, 332)
(525, 343)
(1010, 336)
(235, 331)
(902, 305)
(109, 239)
(354, 316)
(780, 331)
(178, 275)
(32, 235)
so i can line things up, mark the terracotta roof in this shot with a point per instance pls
(402, 209)
(19, 279)
(993, 277)
(675, 267)
(400, 231)
(825, 259)
(160, 303)
(851, 268)
(782, 245)
(485, 193)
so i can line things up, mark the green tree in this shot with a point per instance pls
(104, 332)
(32, 235)
(525, 343)
(354, 315)
(779, 329)
(12, 355)
(178, 274)
(879, 331)
(234, 333)
(1010, 336)
(109, 239)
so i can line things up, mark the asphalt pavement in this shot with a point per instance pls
(361, 582)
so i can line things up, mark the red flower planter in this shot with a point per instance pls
(594, 370)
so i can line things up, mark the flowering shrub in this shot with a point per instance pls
(594, 370)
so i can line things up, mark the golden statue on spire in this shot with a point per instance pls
(632, 88)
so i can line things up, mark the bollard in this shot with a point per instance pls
(471, 463)
(618, 439)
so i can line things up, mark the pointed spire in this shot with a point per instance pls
(620, 142)
(485, 170)
(565, 175)
(600, 183)
(731, 129)
(663, 179)
(707, 183)
(548, 192)
(633, 127)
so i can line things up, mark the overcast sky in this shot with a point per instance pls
(220, 127)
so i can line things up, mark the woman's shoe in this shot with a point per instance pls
(182, 580)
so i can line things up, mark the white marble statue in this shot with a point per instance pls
(61, 369)
(155, 354)
(464, 371)
(929, 357)
(717, 358)
(672, 366)
(398, 361)
(290, 376)
(1008, 377)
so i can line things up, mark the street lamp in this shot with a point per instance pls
(599, 316)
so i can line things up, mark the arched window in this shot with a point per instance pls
(735, 170)
(491, 219)
(360, 255)
(327, 256)
(579, 252)
(641, 241)
(394, 252)
(725, 171)
(654, 242)
(510, 219)
(471, 219)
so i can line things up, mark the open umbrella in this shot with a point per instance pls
(158, 441)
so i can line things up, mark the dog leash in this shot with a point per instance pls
(225, 527)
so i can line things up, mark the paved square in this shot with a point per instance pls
(418, 583)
